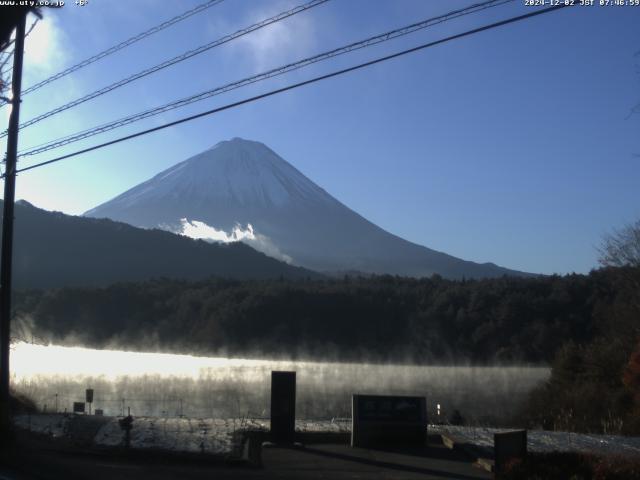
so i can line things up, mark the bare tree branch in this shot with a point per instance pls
(4, 62)
(32, 27)
(622, 247)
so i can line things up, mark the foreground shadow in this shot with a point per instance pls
(396, 466)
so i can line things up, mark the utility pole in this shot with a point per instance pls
(6, 254)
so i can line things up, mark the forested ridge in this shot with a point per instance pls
(505, 320)
(81, 251)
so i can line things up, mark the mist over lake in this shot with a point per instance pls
(170, 385)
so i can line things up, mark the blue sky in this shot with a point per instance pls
(513, 146)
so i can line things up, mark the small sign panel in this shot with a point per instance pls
(99, 412)
(78, 407)
(89, 395)
(379, 420)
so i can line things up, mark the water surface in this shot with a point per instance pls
(155, 384)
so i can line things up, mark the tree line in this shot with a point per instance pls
(504, 320)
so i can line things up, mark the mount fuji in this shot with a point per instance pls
(240, 190)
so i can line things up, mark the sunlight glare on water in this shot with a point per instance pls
(28, 360)
(163, 384)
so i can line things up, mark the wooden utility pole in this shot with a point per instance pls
(6, 254)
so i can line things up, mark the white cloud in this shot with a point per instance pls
(48, 51)
(279, 42)
(46, 48)
(201, 231)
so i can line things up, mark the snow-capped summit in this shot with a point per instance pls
(242, 190)
(248, 172)
(241, 171)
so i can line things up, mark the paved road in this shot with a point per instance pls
(325, 461)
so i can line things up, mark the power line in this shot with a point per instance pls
(4, 85)
(172, 61)
(262, 76)
(297, 85)
(124, 44)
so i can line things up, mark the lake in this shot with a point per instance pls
(168, 385)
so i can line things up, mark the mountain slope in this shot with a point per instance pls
(243, 190)
(53, 250)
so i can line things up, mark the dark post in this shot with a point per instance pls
(283, 406)
(126, 424)
(508, 446)
(7, 227)
(89, 398)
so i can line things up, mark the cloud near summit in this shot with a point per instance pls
(201, 231)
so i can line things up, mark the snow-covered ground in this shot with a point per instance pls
(219, 436)
(53, 425)
(546, 441)
(202, 435)
(174, 434)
